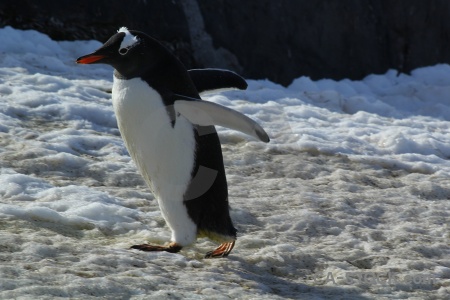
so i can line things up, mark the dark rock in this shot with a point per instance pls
(99, 19)
(279, 40)
(285, 39)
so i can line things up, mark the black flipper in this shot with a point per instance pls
(206, 113)
(215, 79)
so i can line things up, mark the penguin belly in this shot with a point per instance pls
(164, 154)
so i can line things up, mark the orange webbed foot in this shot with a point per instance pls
(172, 247)
(222, 251)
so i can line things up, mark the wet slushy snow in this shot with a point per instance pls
(349, 200)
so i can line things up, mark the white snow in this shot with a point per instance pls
(350, 199)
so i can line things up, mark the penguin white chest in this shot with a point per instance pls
(164, 154)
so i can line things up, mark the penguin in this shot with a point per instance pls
(170, 135)
(206, 80)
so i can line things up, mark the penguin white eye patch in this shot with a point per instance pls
(128, 41)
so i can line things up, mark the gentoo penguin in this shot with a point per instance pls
(216, 79)
(169, 132)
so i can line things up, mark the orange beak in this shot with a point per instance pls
(89, 59)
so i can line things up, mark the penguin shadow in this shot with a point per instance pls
(270, 280)
(283, 274)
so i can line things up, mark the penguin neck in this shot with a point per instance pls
(126, 76)
(119, 75)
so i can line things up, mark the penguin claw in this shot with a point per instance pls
(172, 248)
(222, 251)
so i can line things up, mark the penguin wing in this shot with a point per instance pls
(205, 113)
(215, 79)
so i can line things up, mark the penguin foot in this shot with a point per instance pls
(222, 251)
(172, 247)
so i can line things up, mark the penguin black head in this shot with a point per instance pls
(130, 53)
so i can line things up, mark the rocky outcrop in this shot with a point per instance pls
(279, 40)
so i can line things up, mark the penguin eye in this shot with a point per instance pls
(123, 51)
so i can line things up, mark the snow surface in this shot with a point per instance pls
(349, 200)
